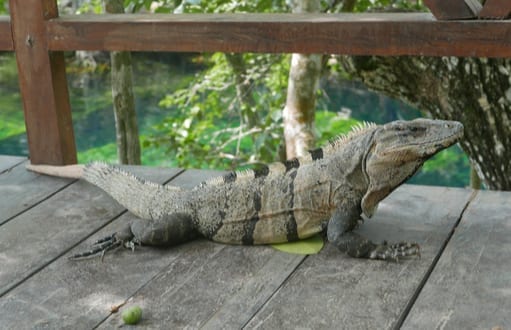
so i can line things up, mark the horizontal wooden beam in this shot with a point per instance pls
(355, 34)
(5, 34)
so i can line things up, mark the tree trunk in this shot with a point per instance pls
(243, 90)
(128, 144)
(301, 94)
(475, 91)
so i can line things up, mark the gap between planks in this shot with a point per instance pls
(8, 288)
(34, 203)
(411, 302)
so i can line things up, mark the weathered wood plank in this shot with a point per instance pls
(331, 290)
(43, 84)
(470, 287)
(5, 34)
(38, 236)
(80, 294)
(8, 162)
(355, 34)
(190, 282)
(224, 291)
(21, 189)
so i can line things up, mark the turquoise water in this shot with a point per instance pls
(157, 74)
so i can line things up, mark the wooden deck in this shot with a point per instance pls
(462, 281)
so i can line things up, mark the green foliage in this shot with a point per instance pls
(3, 7)
(90, 7)
(450, 167)
(106, 152)
(329, 125)
(206, 124)
(11, 123)
(207, 6)
(207, 129)
(404, 5)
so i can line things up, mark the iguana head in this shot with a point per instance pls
(399, 149)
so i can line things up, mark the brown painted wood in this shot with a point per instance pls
(470, 287)
(21, 190)
(43, 84)
(331, 291)
(43, 233)
(355, 34)
(452, 9)
(5, 34)
(496, 9)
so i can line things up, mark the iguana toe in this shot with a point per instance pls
(386, 251)
(100, 246)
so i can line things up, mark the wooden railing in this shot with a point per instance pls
(38, 36)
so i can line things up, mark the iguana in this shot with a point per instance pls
(327, 190)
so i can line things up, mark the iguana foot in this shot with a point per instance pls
(101, 246)
(358, 246)
(395, 251)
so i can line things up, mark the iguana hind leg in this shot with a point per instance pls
(101, 246)
(339, 233)
(169, 230)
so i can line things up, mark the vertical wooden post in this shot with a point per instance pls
(43, 84)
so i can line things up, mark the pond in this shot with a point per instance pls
(156, 75)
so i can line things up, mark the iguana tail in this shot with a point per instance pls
(140, 197)
(67, 171)
(137, 195)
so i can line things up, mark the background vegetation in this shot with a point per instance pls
(190, 111)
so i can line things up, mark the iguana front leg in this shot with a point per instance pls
(339, 233)
(169, 230)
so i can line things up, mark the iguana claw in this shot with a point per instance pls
(100, 246)
(395, 251)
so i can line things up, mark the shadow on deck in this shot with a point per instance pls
(463, 279)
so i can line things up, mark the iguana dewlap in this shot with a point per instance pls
(328, 190)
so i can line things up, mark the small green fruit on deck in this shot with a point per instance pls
(132, 315)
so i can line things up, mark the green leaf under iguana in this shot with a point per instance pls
(311, 245)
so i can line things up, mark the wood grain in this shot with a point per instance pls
(353, 34)
(495, 9)
(8, 162)
(223, 291)
(331, 290)
(43, 85)
(21, 190)
(470, 287)
(45, 232)
(204, 284)
(80, 294)
(5, 34)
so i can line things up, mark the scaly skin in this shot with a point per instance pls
(327, 190)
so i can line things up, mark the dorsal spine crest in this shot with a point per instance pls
(283, 167)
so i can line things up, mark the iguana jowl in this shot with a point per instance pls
(327, 190)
